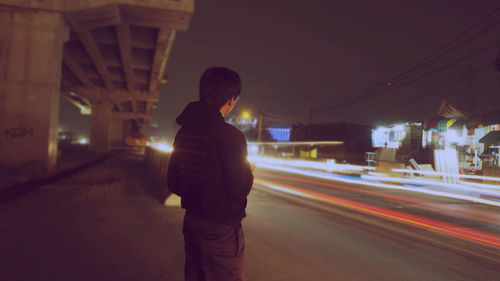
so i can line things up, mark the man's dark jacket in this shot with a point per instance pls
(208, 168)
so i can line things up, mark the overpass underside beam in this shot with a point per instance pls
(108, 57)
(31, 44)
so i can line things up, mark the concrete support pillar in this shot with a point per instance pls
(143, 128)
(31, 44)
(117, 137)
(128, 127)
(100, 126)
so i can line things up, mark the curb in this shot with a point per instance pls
(18, 190)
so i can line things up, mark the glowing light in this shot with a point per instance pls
(172, 200)
(451, 136)
(391, 136)
(279, 134)
(253, 149)
(163, 147)
(245, 115)
(83, 141)
(398, 127)
(379, 137)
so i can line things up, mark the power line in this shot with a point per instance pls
(363, 97)
(436, 55)
(358, 99)
(384, 88)
(430, 93)
(452, 49)
(427, 61)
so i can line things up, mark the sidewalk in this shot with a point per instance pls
(71, 157)
(101, 224)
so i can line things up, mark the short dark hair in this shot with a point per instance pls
(218, 85)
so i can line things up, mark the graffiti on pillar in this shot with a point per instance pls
(20, 132)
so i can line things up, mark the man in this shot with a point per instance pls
(209, 170)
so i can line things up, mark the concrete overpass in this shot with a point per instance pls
(105, 56)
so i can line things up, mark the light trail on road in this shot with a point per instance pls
(361, 181)
(462, 187)
(451, 210)
(364, 175)
(421, 222)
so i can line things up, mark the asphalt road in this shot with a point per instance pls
(315, 229)
(103, 224)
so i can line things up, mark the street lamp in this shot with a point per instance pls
(245, 115)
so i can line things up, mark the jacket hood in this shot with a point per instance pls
(199, 114)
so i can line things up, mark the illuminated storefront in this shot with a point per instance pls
(279, 134)
(439, 132)
(397, 135)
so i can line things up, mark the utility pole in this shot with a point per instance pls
(471, 100)
(261, 117)
(309, 130)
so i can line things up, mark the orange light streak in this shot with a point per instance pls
(396, 199)
(441, 227)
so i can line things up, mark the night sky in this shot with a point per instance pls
(337, 58)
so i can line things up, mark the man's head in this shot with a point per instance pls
(221, 87)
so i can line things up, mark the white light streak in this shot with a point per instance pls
(298, 143)
(339, 178)
(328, 165)
(446, 174)
(490, 190)
(284, 190)
(162, 146)
(253, 149)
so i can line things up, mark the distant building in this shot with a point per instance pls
(279, 134)
(356, 140)
(399, 142)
